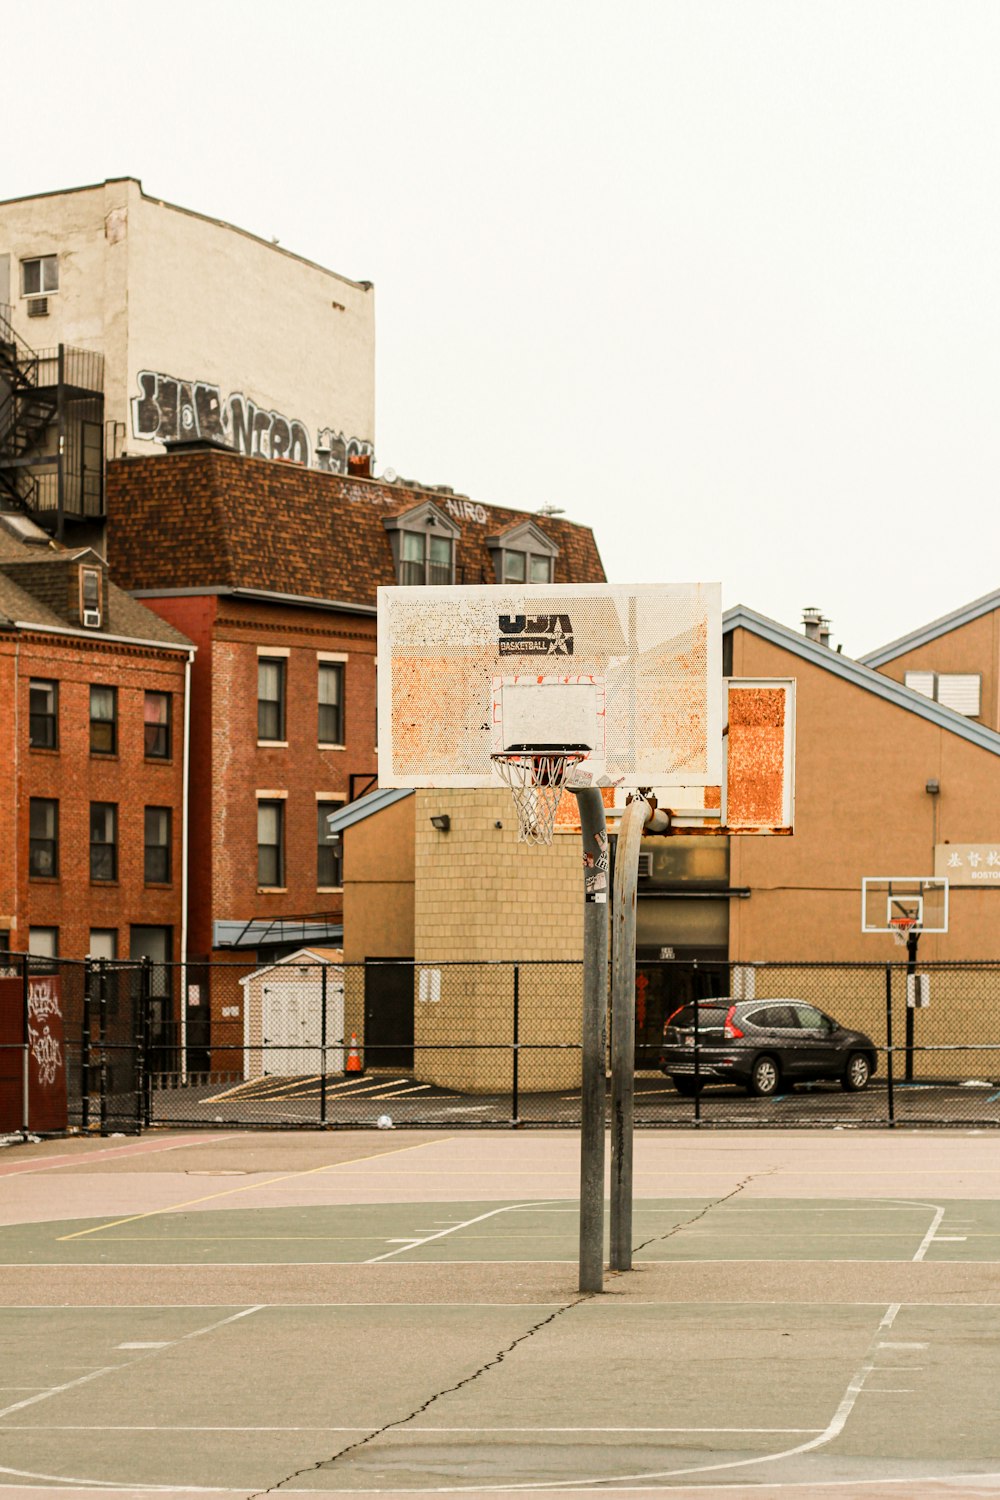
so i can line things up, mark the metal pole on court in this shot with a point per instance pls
(912, 938)
(26, 1033)
(630, 829)
(593, 830)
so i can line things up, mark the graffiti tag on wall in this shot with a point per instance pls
(46, 1049)
(169, 410)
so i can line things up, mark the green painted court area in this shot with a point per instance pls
(434, 1234)
(343, 1316)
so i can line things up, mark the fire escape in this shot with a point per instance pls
(51, 431)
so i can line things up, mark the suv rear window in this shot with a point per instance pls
(710, 1017)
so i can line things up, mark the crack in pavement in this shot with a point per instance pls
(717, 1203)
(490, 1364)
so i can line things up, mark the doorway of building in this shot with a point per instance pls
(389, 1013)
(664, 985)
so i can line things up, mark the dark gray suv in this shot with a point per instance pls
(763, 1046)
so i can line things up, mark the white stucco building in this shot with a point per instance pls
(172, 327)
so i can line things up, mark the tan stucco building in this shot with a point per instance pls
(174, 327)
(885, 776)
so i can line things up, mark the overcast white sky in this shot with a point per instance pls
(718, 277)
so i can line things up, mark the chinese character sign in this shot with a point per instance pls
(968, 864)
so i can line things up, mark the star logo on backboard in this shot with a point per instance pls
(560, 642)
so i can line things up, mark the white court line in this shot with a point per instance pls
(91, 1427)
(126, 1365)
(506, 1209)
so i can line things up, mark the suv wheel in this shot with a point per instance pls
(764, 1078)
(857, 1073)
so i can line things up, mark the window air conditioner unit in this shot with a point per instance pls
(92, 619)
(38, 307)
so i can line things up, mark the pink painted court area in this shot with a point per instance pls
(396, 1313)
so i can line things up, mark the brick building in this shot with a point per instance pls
(271, 570)
(93, 715)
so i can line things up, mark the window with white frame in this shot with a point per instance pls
(330, 690)
(424, 542)
(425, 559)
(329, 848)
(961, 691)
(270, 843)
(39, 275)
(524, 554)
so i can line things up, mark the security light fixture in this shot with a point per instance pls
(932, 788)
(441, 821)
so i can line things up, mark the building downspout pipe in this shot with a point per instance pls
(185, 822)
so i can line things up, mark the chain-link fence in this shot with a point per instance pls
(332, 1045)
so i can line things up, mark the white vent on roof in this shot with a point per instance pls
(92, 619)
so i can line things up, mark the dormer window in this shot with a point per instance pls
(523, 554)
(423, 545)
(90, 597)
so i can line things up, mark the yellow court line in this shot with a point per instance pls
(243, 1188)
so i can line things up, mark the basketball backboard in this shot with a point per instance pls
(624, 676)
(900, 904)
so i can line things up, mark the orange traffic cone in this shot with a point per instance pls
(353, 1057)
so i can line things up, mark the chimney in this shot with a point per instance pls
(813, 622)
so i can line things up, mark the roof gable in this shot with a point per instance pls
(931, 632)
(366, 807)
(860, 676)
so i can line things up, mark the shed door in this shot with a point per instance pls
(389, 1013)
(291, 1015)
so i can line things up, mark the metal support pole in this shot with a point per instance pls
(515, 1102)
(146, 1035)
(888, 1044)
(322, 1049)
(102, 1026)
(595, 1009)
(26, 1053)
(630, 829)
(911, 968)
(88, 988)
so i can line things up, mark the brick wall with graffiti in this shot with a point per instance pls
(171, 410)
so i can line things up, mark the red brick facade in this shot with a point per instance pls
(230, 768)
(74, 777)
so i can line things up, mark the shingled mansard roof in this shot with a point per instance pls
(860, 676)
(925, 633)
(37, 591)
(209, 520)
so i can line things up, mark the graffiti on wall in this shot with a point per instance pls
(168, 410)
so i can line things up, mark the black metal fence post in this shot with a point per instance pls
(144, 1040)
(911, 968)
(888, 1046)
(102, 1045)
(515, 1076)
(88, 983)
(26, 1051)
(697, 1047)
(322, 1047)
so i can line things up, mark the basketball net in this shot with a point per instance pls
(536, 782)
(901, 927)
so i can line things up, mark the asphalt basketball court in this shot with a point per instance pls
(248, 1314)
